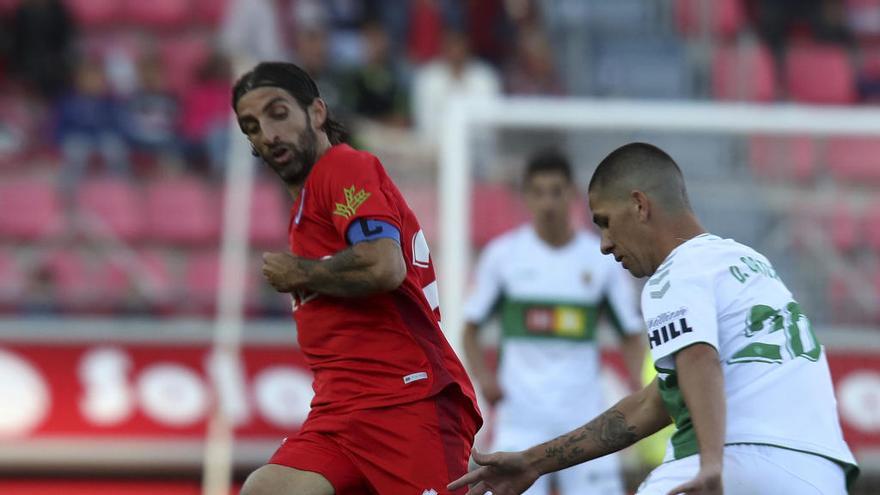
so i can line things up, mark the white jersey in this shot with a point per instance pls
(776, 379)
(549, 300)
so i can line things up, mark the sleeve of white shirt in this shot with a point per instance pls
(679, 311)
(487, 285)
(621, 296)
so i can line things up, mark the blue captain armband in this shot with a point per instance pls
(365, 229)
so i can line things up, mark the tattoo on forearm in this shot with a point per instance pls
(609, 433)
(339, 275)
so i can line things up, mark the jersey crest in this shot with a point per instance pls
(353, 201)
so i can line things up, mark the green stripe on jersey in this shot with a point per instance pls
(684, 440)
(553, 320)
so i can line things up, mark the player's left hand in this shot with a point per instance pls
(707, 482)
(501, 473)
(282, 271)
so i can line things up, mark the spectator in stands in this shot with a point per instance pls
(151, 113)
(88, 123)
(776, 18)
(251, 28)
(376, 89)
(455, 73)
(532, 70)
(312, 54)
(205, 119)
(41, 43)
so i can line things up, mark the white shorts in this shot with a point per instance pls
(756, 470)
(598, 476)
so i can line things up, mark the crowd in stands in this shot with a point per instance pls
(115, 110)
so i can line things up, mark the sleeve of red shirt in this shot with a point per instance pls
(357, 188)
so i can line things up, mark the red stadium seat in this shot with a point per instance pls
(820, 74)
(94, 13)
(854, 159)
(158, 13)
(182, 211)
(726, 17)
(202, 282)
(139, 281)
(29, 210)
(496, 208)
(72, 279)
(844, 227)
(12, 279)
(182, 57)
(112, 206)
(872, 226)
(7, 6)
(743, 73)
(788, 158)
(210, 12)
(269, 216)
(422, 200)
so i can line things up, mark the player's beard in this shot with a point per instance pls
(303, 157)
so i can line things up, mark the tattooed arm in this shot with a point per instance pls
(633, 418)
(511, 473)
(362, 269)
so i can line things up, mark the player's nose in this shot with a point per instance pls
(606, 246)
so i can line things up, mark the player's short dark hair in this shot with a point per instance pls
(644, 167)
(548, 160)
(293, 79)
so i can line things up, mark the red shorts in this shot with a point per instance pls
(405, 449)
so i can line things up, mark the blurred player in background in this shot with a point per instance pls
(740, 371)
(549, 284)
(394, 411)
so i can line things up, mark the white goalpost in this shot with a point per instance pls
(465, 117)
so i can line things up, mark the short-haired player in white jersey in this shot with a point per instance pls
(740, 371)
(548, 284)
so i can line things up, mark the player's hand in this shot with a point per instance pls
(707, 482)
(491, 390)
(502, 473)
(282, 271)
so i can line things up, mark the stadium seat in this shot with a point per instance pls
(495, 209)
(94, 13)
(113, 206)
(269, 216)
(820, 74)
(844, 227)
(210, 11)
(871, 226)
(158, 13)
(12, 279)
(182, 56)
(726, 17)
(30, 209)
(621, 65)
(743, 73)
(202, 282)
(619, 16)
(182, 211)
(854, 159)
(422, 200)
(134, 282)
(72, 279)
(7, 6)
(783, 158)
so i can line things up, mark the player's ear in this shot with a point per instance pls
(318, 113)
(641, 204)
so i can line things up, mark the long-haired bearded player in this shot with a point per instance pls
(394, 411)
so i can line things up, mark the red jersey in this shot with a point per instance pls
(378, 350)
